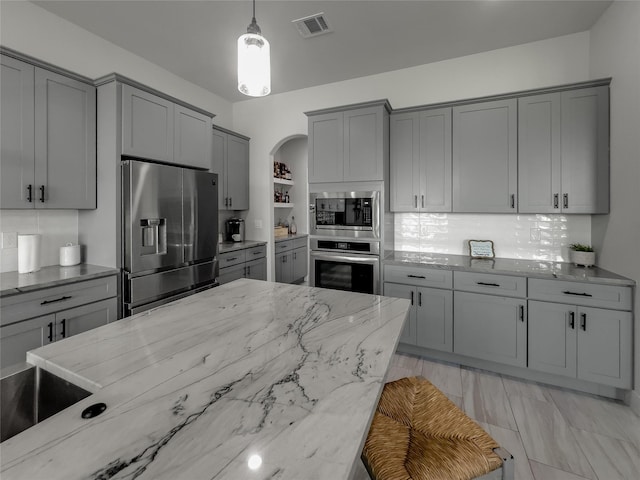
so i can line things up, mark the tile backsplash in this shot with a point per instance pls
(57, 227)
(533, 237)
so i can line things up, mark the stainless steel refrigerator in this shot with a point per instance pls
(170, 233)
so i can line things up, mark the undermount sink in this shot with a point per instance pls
(32, 395)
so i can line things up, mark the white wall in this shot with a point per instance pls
(34, 31)
(269, 120)
(615, 43)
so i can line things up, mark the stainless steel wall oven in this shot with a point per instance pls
(345, 265)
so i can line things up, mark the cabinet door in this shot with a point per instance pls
(434, 319)
(364, 141)
(192, 140)
(65, 142)
(218, 156)
(257, 269)
(17, 339)
(404, 162)
(552, 338)
(326, 154)
(585, 150)
(299, 265)
(435, 160)
(16, 134)
(539, 154)
(229, 274)
(604, 346)
(237, 169)
(485, 157)
(284, 267)
(491, 327)
(87, 317)
(147, 125)
(405, 291)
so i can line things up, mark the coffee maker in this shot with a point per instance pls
(234, 230)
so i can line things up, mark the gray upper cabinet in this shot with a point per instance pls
(230, 160)
(17, 167)
(48, 139)
(585, 150)
(539, 153)
(65, 148)
(563, 152)
(147, 125)
(192, 140)
(349, 145)
(485, 158)
(156, 128)
(326, 157)
(420, 163)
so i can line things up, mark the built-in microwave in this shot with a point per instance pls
(347, 214)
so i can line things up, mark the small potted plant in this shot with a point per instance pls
(580, 254)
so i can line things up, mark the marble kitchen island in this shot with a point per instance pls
(286, 374)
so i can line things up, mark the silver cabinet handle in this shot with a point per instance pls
(565, 200)
(556, 200)
(415, 199)
(488, 284)
(422, 201)
(522, 313)
(419, 299)
(572, 320)
(513, 201)
(231, 201)
(583, 321)
(416, 276)
(411, 297)
(30, 193)
(42, 193)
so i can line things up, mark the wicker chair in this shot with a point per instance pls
(417, 433)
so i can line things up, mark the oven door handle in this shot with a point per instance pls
(339, 257)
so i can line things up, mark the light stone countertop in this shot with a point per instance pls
(227, 247)
(196, 387)
(12, 283)
(507, 266)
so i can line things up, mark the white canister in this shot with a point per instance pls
(28, 253)
(69, 255)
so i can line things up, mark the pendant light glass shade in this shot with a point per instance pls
(254, 65)
(254, 61)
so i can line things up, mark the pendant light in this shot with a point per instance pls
(254, 64)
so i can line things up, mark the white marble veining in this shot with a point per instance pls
(196, 387)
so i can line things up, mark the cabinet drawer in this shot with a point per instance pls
(419, 276)
(578, 293)
(284, 246)
(231, 273)
(256, 252)
(489, 283)
(299, 242)
(232, 258)
(51, 300)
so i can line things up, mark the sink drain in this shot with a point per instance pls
(94, 410)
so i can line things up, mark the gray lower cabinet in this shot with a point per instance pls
(231, 163)
(578, 339)
(430, 322)
(245, 263)
(490, 327)
(349, 144)
(48, 139)
(156, 128)
(291, 260)
(420, 161)
(563, 152)
(485, 157)
(18, 338)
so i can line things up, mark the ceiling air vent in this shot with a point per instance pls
(313, 25)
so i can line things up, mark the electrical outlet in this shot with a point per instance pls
(534, 235)
(258, 224)
(9, 240)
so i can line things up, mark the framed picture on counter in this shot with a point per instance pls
(481, 249)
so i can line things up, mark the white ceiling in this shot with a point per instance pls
(197, 39)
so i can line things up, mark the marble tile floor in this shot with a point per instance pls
(554, 434)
